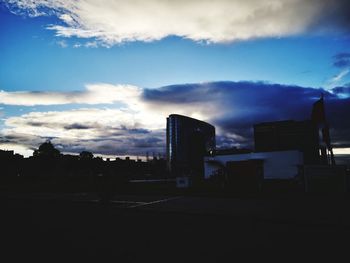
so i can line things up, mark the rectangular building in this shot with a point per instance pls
(289, 135)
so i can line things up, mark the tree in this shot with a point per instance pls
(46, 150)
(85, 155)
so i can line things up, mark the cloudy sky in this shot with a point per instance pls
(102, 75)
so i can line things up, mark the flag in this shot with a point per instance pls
(318, 114)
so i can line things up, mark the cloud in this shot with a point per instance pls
(103, 131)
(341, 75)
(139, 125)
(91, 44)
(234, 107)
(76, 126)
(242, 100)
(77, 45)
(62, 43)
(341, 60)
(338, 79)
(85, 123)
(93, 94)
(342, 91)
(116, 21)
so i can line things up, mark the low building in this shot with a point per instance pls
(274, 165)
(289, 135)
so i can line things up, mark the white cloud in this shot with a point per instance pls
(134, 128)
(138, 125)
(77, 45)
(91, 44)
(151, 113)
(62, 43)
(94, 94)
(116, 21)
(340, 76)
(104, 131)
(337, 79)
(53, 123)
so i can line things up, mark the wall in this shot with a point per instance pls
(277, 165)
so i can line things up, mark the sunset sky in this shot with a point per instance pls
(102, 75)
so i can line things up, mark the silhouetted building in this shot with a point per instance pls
(229, 151)
(188, 140)
(289, 135)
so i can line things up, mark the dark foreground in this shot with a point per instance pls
(146, 228)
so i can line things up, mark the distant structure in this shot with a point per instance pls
(288, 135)
(311, 137)
(188, 141)
(318, 117)
(284, 150)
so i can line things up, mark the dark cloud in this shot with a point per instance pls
(134, 130)
(342, 55)
(342, 90)
(342, 63)
(22, 138)
(126, 141)
(36, 124)
(28, 141)
(225, 142)
(335, 16)
(233, 107)
(149, 142)
(77, 126)
(3, 140)
(238, 106)
(179, 93)
(341, 60)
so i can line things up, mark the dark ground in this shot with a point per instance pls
(147, 228)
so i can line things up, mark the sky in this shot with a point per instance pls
(103, 75)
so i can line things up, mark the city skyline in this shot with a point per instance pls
(103, 76)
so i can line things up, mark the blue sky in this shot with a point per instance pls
(33, 54)
(52, 52)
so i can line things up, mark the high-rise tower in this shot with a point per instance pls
(188, 140)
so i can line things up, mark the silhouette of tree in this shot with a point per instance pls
(85, 155)
(46, 150)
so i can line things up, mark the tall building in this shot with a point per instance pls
(188, 140)
(289, 135)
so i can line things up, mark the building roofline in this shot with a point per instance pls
(280, 122)
(190, 118)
